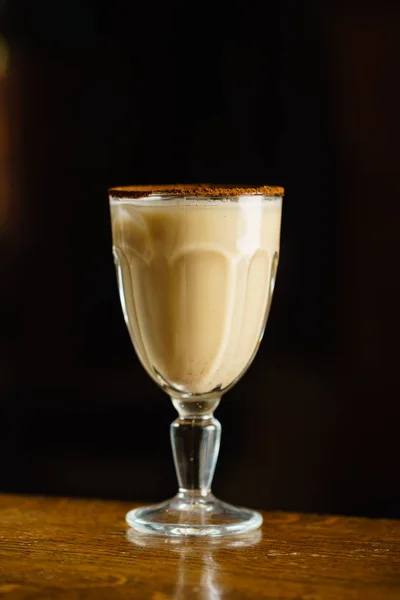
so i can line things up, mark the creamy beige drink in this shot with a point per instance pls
(196, 276)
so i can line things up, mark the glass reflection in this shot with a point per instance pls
(199, 561)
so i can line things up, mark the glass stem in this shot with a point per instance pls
(195, 439)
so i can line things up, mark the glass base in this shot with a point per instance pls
(186, 515)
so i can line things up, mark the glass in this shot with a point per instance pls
(196, 269)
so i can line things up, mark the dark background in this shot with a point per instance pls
(303, 94)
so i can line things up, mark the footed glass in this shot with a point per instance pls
(196, 268)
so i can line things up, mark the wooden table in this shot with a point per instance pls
(82, 549)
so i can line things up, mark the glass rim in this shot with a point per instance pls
(208, 190)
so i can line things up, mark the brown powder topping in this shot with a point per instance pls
(199, 189)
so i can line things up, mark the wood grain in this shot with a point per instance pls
(82, 549)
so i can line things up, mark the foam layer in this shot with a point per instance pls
(170, 201)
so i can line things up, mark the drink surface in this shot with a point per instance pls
(196, 279)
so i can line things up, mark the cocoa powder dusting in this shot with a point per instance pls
(193, 190)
